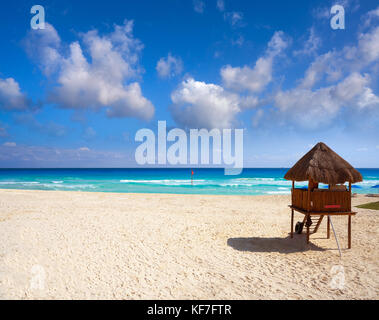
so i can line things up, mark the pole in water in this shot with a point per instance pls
(192, 176)
(335, 236)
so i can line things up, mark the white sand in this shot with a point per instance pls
(69, 245)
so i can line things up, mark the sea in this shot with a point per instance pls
(252, 181)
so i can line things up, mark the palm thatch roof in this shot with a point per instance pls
(322, 164)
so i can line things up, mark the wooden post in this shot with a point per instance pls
(349, 221)
(308, 208)
(349, 232)
(309, 195)
(292, 211)
(292, 223)
(350, 195)
(328, 228)
(293, 187)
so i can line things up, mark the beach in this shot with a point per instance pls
(99, 245)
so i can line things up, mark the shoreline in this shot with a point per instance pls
(150, 193)
(368, 195)
(99, 245)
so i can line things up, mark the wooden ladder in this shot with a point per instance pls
(316, 221)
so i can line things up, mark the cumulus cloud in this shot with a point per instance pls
(368, 46)
(314, 108)
(104, 80)
(11, 97)
(322, 68)
(257, 78)
(372, 15)
(198, 104)
(337, 83)
(43, 47)
(311, 45)
(169, 67)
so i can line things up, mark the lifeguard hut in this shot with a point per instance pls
(322, 165)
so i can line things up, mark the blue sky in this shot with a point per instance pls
(75, 93)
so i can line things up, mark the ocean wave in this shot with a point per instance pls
(278, 192)
(257, 179)
(367, 183)
(19, 182)
(232, 185)
(163, 181)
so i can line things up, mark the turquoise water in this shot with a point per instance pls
(205, 181)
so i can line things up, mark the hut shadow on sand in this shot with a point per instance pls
(280, 245)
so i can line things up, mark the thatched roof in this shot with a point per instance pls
(322, 164)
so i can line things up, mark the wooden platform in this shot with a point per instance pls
(319, 213)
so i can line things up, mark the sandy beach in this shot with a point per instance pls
(76, 245)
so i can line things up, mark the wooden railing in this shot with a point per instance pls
(322, 201)
(300, 198)
(331, 201)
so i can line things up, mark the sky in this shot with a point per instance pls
(75, 93)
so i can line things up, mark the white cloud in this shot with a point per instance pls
(84, 149)
(220, 5)
(323, 66)
(246, 78)
(11, 97)
(234, 18)
(104, 80)
(332, 65)
(314, 108)
(311, 45)
(53, 157)
(335, 82)
(198, 104)
(9, 144)
(371, 15)
(257, 78)
(43, 47)
(169, 67)
(369, 45)
(198, 6)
